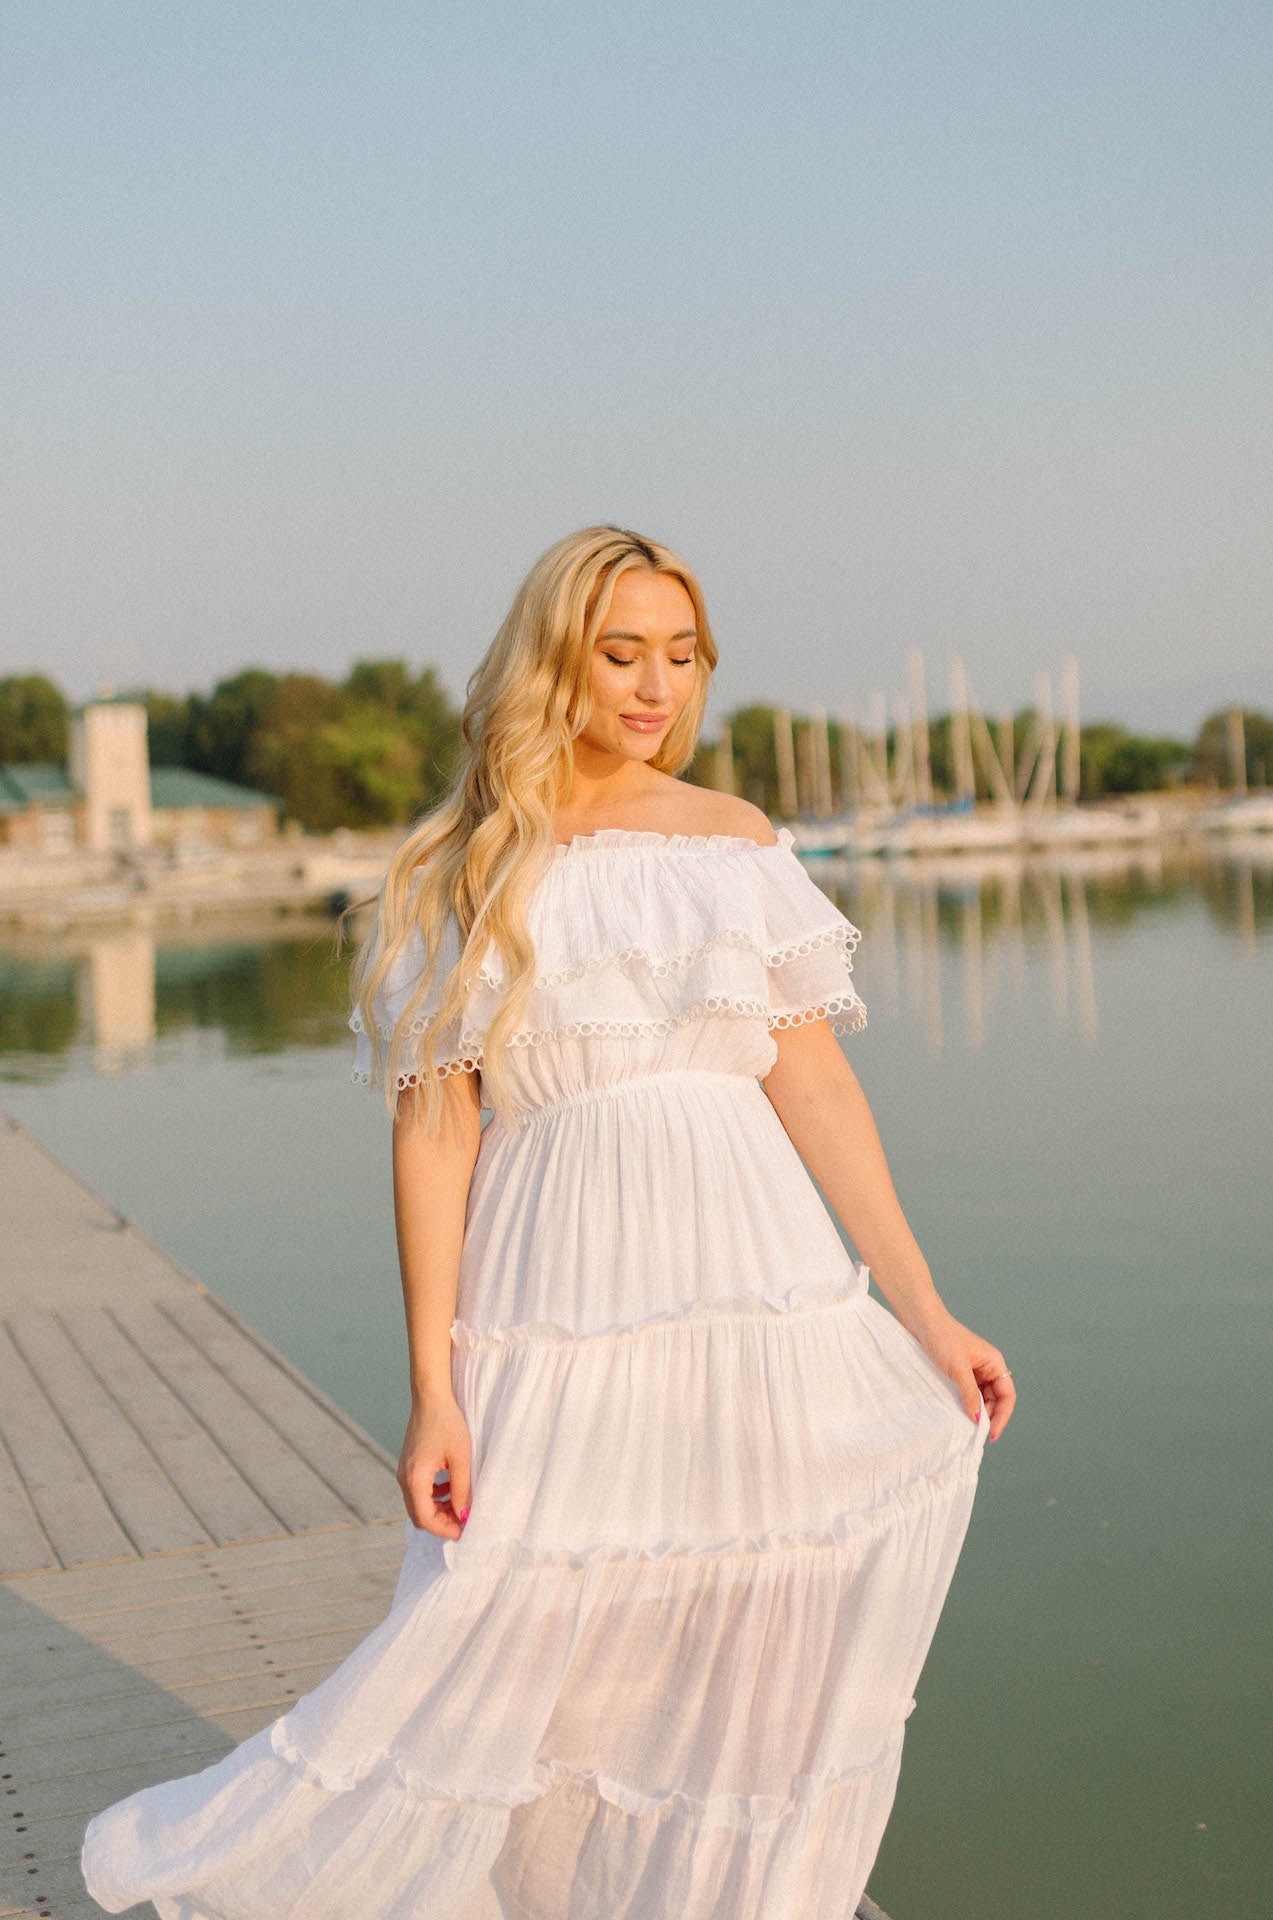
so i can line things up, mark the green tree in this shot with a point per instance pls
(222, 727)
(167, 727)
(287, 755)
(755, 756)
(1114, 760)
(422, 705)
(375, 763)
(33, 719)
(380, 683)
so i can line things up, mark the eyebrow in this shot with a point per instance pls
(616, 633)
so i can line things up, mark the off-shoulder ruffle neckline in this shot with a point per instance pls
(648, 840)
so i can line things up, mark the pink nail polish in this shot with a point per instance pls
(463, 1514)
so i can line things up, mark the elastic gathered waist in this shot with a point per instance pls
(630, 1082)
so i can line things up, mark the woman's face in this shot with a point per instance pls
(643, 664)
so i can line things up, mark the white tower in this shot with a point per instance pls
(110, 771)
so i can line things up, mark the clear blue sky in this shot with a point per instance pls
(909, 324)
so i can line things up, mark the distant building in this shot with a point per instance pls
(110, 774)
(110, 797)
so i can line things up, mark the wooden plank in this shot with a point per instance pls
(18, 1856)
(84, 1676)
(68, 1502)
(68, 1728)
(143, 1637)
(303, 1647)
(258, 1586)
(65, 1247)
(49, 1839)
(85, 1696)
(84, 1684)
(168, 1747)
(66, 1588)
(24, 1545)
(210, 1484)
(47, 1739)
(241, 1723)
(17, 1880)
(142, 1497)
(70, 1907)
(132, 1636)
(311, 1387)
(142, 1605)
(83, 1908)
(297, 1619)
(83, 1793)
(60, 1881)
(361, 1480)
(20, 1644)
(287, 1484)
(279, 1685)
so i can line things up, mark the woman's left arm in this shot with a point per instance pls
(816, 1095)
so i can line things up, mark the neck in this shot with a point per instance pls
(606, 785)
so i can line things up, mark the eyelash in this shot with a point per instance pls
(687, 662)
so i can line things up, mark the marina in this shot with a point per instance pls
(910, 366)
(1066, 1050)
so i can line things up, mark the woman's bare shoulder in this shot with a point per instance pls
(727, 813)
(674, 805)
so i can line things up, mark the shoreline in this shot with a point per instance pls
(310, 876)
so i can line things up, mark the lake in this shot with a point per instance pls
(1071, 1065)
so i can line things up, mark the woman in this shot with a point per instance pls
(683, 1499)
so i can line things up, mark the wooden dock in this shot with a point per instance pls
(192, 1534)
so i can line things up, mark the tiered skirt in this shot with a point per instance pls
(667, 1668)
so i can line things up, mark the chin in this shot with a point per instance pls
(636, 747)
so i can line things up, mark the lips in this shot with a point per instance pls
(645, 722)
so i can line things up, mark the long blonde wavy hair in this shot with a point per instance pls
(479, 854)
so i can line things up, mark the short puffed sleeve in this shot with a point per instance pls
(808, 945)
(390, 1003)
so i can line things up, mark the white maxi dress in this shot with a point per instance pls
(718, 1490)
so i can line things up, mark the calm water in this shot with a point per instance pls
(1072, 1075)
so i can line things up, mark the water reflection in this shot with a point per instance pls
(109, 998)
(971, 929)
(116, 992)
(944, 942)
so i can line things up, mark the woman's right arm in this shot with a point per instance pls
(431, 1176)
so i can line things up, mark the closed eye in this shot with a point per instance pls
(613, 658)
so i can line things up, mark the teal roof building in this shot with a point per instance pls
(108, 796)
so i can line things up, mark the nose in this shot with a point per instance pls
(655, 683)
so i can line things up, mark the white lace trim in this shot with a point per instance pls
(843, 935)
(845, 1011)
(647, 840)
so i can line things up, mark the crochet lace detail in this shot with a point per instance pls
(845, 1011)
(843, 935)
(648, 840)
